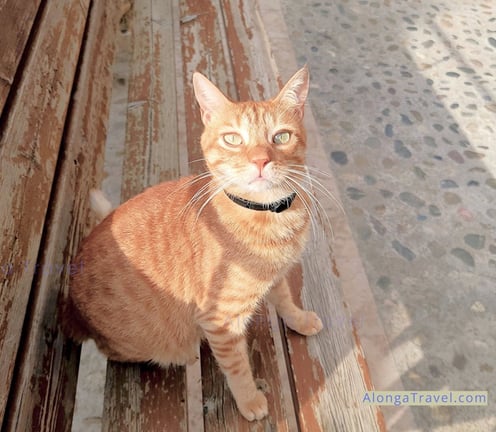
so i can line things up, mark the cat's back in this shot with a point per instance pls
(161, 206)
(141, 235)
(169, 199)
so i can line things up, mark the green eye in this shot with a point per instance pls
(281, 138)
(233, 139)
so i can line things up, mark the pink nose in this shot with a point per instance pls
(260, 163)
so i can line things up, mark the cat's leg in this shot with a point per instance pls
(304, 322)
(230, 350)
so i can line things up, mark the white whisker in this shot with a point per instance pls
(311, 169)
(318, 185)
(207, 192)
(306, 205)
(225, 183)
(319, 209)
(195, 179)
(199, 194)
(296, 177)
(197, 160)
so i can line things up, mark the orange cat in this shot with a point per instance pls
(193, 258)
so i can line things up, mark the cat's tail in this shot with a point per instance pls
(100, 205)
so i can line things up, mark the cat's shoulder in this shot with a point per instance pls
(160, 194)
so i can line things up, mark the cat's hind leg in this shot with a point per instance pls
(304, 322)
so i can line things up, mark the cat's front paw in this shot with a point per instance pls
(255, 408)
(306, 323)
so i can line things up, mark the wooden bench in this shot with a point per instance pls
(55, 90)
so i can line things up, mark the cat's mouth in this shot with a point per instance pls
(248, 180)
(260, 184)
(264, 187)
(262, 180)
(259, 179)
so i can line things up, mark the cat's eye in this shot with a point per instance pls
(281, 137)
(233, 139)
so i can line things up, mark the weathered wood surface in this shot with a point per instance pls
(31, 133)
(142, 397)
(204, 49)
(46, 374)
(16, 22)
(151, 132)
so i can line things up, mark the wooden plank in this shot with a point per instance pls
(208, 31)
(46, 377)
(193, 371)
(141, 397)
(220, 411)
(327, 369)
(247, 47)
(151, 135)
(16, 22)
(204, 49)
(29, 148)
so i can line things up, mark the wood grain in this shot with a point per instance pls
(45, 384)
(147, 398)
(204, 49)
(141, 397)
(29, 149)
(16, 24)
(152, 153)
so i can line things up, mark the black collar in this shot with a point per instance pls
(276, 206)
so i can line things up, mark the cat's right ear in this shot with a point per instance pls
(295, 92)
(209, 97)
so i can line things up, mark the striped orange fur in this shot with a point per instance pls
(181, 261)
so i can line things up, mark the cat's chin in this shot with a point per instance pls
(260, 185)
(263, 192)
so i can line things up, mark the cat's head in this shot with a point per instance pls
(252, 147)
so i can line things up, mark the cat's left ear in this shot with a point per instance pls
(295, 91)
(209, 97)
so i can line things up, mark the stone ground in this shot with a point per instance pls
(404, 94)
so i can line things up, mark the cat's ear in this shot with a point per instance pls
(209, 97)
(295, 92)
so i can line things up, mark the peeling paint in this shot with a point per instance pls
(46, 377)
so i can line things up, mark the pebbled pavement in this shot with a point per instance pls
(404, 94)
